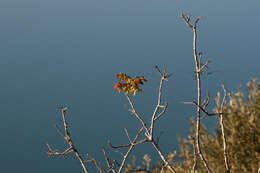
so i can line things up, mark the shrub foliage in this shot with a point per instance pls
(242, 127)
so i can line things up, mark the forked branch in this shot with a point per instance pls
(156, 115)
(159, 110)
(199, 68)
(67, 138)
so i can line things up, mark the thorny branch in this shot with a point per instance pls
(67, 138)
(199, 69)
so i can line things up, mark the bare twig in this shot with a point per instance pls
(110, 165)
(137, 116)
(98, 166)
(202, 109)
(157, 107)
(206, 101)
(167, 164)
(126, 132)
(130, 149)
(67, 137)
(148, 132)
(162, 112)
(199, 69)
(223, 131)
(118, 146)
(53, 152)
(127, 145)
(194, 155)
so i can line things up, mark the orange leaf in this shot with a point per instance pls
(118, 86)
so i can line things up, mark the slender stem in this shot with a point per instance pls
(148, 132)
(194, 155)
(224, 144)
(221, 122)
(167, 164)
(67, 134)
(129, 150)
(157, 107)
(67, 137)
(137, 116)
(198, 70)
(93, 160)
(186, 19)
(109, 164)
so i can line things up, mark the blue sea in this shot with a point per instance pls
(64, 52)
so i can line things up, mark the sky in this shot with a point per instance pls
(63, 52)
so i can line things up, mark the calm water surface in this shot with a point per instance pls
(63, 52)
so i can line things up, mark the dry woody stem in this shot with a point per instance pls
(159, 110)
(221, 122)
(199, 69)
(67, 138)
(146, 132)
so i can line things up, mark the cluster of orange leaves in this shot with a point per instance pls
(129, 85)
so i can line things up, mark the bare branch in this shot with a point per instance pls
(137, 116)
(158, 138)
(127, 145)
(194, 154)
(68, 140)
(53, 152)
(206, 101)
(200, 59)
(148, 132)
(186, 19)
(167, 164)
(198, 77)
(98, 166)
(126, 132)
(204, 65)
(109, 164)
(129, 150)
(118, 146)
(59, 131)
(162, 112)
(202, 109)
(221, 122)
(157, 107)
(157, 68)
